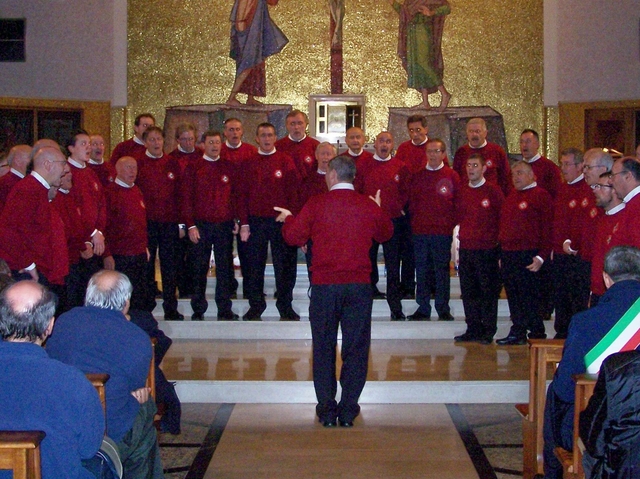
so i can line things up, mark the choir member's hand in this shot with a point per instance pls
(236, 228)
(32, 272)
(141, 395)
(194, 235)
(244, 233)
(566, 247)
(535, 265)
(109, 263)
(283, 214)
(148, 254)
(376, 198)
(88, 252)
(181, 233)
(98, 243)
(304, 248)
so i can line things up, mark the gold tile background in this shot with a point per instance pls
(179, 54)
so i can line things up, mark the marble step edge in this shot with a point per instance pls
(300, 330)
(375, 392)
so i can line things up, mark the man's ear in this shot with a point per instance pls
(49, 330)
(608, 282)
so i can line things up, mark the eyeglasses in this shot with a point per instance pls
(590, 167)
(618, 173)
(599, 186)
(473, 165)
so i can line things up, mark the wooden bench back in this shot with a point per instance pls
(20, 453)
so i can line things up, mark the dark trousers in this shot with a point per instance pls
(135, 267)
(374, 276)
(78, 279)
(265, 231)
(184, 274)
(557, 431)
(480, 286)
(163, 237)
(523, 292)
(407, 258)
(392, 250)
(572, 284)
(347, 305)
(220, 237)
(433, 255)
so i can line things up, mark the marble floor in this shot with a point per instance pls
(240, 441)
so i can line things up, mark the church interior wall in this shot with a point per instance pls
(69, 50)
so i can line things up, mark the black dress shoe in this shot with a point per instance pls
(197, 317)
(511, 341)
(290, 315)
(418, 316)
(328, 422)
(252, 315)
(466, 338)
(173, 316)
(398, 316)
(446, 317)
(540, 336)
(345, 423)
(377, 294)
(228, 317)
(485, 340)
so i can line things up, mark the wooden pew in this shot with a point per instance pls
(99, 380)
(151, 377)
(20, 452)
(572, 460)
(542, 354)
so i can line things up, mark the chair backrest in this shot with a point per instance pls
(585, 384)
(543, 353)
(151, 377)
(99, 380)
(20, 453)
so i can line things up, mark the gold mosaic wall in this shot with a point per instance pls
(493, 51)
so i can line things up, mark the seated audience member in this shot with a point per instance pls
(609, 426)
(165, 391)
(5, 276)
(586, 330)
(42, 394)
(97, 338)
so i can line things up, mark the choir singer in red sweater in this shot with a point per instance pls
(342, 225)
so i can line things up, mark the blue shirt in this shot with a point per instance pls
(42, 394)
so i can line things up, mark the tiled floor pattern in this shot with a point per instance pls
(280, 441)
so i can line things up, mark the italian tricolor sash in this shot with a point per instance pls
(624, 336)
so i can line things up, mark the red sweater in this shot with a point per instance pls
(31, 231)
(628, 231)
(268, 181)
(7, 182)
(158, 179)
(414, 157)
(342, 225)
(126, 220)
(184, 159)
(238, 155)
(127, 148)
(605, 226)
(105, 172)
(526, 221)
(548, 175)
(364, 155)
(88, 194)
(575, 214)
(498, 170)
(312, 185)
(303, 153)
(387, 176)
(433, 201)
(71, 216)
(479, 216)
(208, 193)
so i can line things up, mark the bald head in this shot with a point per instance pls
(127, 170)
(596, 162)
(44, 143)
(50, 163)
(26, 312)
(109, 290)
(19, 157)
(355, 139)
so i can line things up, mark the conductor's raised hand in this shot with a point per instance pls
(376, 198)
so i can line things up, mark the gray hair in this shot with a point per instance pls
(345, 167)
(622, 263)
(108, 290)
(31, 323)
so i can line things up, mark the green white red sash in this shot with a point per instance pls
(624, 336)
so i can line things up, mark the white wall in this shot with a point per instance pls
(592, 50)
(71, 50)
